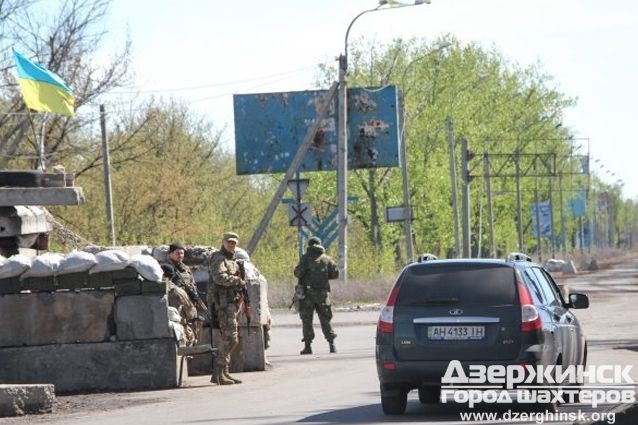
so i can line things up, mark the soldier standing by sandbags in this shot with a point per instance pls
(191, 306)
(225, 286)
(314, 271)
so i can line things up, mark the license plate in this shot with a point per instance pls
(456, 333)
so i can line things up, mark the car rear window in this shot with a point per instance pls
(457, 284)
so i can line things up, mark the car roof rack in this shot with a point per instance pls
(518, 256)
(426, 257)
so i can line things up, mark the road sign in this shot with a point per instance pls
(269, 127)
(298, 187)
(299, 214)
(394, 214)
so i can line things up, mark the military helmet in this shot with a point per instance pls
(314, 241)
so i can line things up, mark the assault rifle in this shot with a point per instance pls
(243, 300)
(176, 277)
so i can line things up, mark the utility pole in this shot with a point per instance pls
(490, 211)
(519, 212)
(562, 214)
(407, 208)
(465, 170)
(108, 191)
(455, 206)
(537, 212)
(551, 214)
(342, 170)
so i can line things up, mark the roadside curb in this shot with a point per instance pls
(17, 400)
(626, 414)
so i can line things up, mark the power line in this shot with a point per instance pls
(227, 83)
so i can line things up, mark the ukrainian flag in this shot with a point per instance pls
(42, 89)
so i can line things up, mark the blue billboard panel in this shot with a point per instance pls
(545, 215)
(269, 127)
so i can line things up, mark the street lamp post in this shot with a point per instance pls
(342, 142)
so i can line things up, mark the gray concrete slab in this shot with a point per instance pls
(107, 366)
(40, 196)
(141, 317)
(55, 318)
(17, 400)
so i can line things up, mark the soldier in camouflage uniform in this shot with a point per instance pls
(180, 275)
(224, 286)
(313, 271)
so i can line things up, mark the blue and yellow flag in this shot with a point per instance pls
(42, 89)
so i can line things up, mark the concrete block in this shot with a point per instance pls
(124, 274)
(127, 287)
(39, 284)
(570, 268)
(106, 366)
(141, 317)
(55, 318)
(12, 285)
(73, 281)
(154, 288)
(100, 280)
(16, 400)
(248, 356)
(40, 196)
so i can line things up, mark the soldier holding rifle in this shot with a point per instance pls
(226, 290)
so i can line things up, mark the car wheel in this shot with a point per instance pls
(429, 395)
(394, 402)
(577, 395)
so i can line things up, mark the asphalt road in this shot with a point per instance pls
(343, 387)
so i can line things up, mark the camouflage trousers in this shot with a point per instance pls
(228, 329)
(316, 301)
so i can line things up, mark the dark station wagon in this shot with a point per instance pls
(476, 311)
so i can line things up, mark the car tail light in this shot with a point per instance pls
(530, 319)
(386, 318)
(389, 366)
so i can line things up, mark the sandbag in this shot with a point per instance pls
(77, 262)
(109, 261)
(160, 253)
(44, 265)
(148, 267)
(14, 266)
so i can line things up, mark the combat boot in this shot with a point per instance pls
(219, 378)
(307, 348)
(333, 349)
(226, 374)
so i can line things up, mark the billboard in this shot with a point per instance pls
(545, 216)
(269, 127)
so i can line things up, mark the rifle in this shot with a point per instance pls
(244, 297)
(177, 279)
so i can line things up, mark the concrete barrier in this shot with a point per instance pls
(106, 366)
(55, 318)
(16, 400)
(569, 268)
(141, 317)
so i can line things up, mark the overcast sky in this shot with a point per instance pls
(226, 47)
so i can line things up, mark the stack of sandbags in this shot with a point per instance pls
(73, 270)
(10, 270)
(140, 274)
(40, 277)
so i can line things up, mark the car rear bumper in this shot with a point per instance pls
(429, 373)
